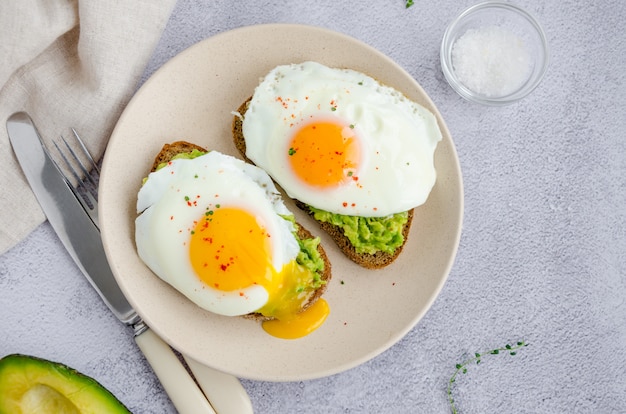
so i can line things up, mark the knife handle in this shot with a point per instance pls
(180, 387)
(224, 391)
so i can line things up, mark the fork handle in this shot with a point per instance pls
(180, 387)
(224, 391)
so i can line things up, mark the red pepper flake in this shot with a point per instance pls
(241, 294)
(344, 204)
(282, 102)
(171, 217)
(355, 178)
(353, 205)
(223, 267)
(217, 285)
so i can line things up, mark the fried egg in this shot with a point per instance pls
(339, 140)
(215, 229)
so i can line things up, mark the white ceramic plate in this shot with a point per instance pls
(191, 97)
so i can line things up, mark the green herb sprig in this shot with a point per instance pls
(477, 358)
(409, 3)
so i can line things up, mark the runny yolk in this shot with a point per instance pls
(301, 324)
(230, 250)
(324, 154)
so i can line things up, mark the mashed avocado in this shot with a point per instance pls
(306, 278)
(183, 155)
(368, 234)
(309, 257)
(186, 155)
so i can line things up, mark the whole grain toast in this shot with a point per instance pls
(368, 260)
(170, 150)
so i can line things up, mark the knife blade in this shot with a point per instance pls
(82, 240)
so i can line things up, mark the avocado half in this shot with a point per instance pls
(31, 385)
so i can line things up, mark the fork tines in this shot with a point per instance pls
(86, 174)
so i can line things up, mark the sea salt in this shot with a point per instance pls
(491, 61)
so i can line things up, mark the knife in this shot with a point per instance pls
(81, 238)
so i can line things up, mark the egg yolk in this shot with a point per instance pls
(230, 250)
(324, 154)
(301, 324)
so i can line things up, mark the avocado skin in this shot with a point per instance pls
(21, 373)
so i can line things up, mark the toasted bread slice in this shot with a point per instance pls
(170, 150)
(368, 260)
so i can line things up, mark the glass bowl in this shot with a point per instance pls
(494, 53)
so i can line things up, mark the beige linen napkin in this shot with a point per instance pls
(68, 63)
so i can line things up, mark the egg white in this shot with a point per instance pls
(162, 230)
(397, 137)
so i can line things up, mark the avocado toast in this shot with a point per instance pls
(311, 256)
(371, 242)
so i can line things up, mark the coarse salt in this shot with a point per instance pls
(491, 61)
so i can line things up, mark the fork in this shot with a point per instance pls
(224, 391)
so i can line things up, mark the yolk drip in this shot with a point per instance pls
(230, 250)
(301, 324)
(324, 154)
